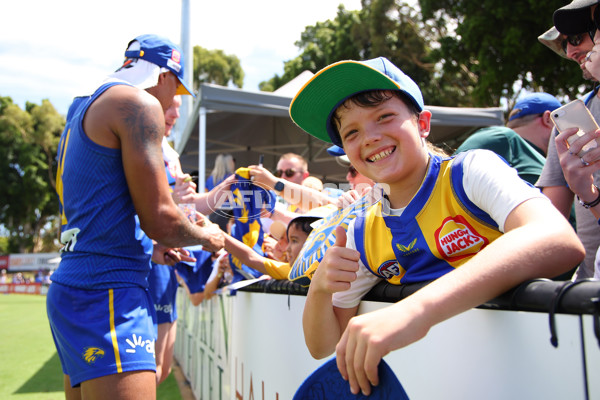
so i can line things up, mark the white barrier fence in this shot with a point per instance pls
(251, 346)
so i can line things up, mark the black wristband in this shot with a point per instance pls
(591, 204)
(279, 186)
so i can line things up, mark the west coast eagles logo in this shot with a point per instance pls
(91, 354)
(457, 239)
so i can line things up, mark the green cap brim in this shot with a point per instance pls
(315, 103)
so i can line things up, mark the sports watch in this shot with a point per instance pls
(279, 186)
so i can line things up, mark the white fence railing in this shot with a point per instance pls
(251, 346)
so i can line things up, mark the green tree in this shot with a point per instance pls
(496, 42)
(320, 45)
(214, 66)
(381, 28)
(28, 202)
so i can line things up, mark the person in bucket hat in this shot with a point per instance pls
(467, 223)
(117, 214)
(575, 17)
(558, 180)
(554, 40)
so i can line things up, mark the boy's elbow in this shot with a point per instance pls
(576, 249)
(317, 347)
(318, 353)
(578, 252)
(570, 254)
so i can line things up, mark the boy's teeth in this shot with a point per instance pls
(379, 156)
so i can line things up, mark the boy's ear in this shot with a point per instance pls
(424, 123)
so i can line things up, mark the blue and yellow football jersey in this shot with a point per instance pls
(104, 246)
(438, 231)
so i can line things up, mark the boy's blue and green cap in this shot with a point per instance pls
(314, 105)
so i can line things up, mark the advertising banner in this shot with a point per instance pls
(33, 261)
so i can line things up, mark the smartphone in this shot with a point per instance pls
(576, 115)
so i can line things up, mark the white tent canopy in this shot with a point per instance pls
(247, 124)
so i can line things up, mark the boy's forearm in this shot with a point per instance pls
(320, 324)
(498, 268)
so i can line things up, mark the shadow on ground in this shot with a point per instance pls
(49, 378)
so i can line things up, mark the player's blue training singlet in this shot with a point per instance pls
(104, 246)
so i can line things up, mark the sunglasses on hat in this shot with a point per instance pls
(288, 172)
(575, 40)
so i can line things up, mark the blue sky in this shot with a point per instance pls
(55, 49)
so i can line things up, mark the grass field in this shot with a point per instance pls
(29, 365)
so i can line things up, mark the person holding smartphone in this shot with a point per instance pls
(558, 180)
(583, 176)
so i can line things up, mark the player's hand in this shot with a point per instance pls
(214, 238)
(170, 256)
(338, 267)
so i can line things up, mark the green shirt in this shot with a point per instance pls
(520, 154)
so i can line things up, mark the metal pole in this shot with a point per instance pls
(201, 149)
(186, 46)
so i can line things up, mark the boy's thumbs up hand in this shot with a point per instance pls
(338, 267)
(340, 237)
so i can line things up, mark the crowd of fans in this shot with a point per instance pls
(40, 276)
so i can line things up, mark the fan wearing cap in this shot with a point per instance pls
(469, 223)
(565, 175)
(523, 143)
(114, 203)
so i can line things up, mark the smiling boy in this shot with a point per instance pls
(468, 222)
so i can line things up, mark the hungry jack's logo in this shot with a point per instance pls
(175, 56)
(457, 239)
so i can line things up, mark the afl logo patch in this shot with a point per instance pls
(389, 269)
(457, 239)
